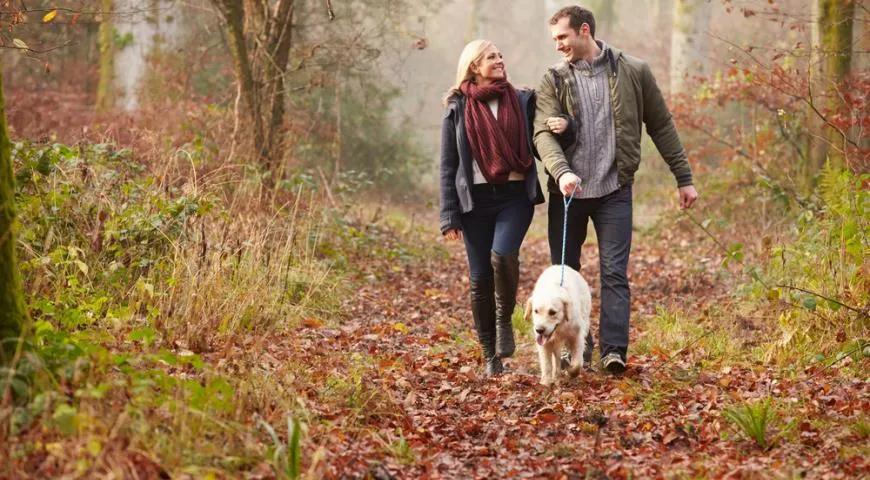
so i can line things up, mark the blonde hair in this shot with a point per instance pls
(472, 53)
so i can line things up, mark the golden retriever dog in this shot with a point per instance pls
(560, 316)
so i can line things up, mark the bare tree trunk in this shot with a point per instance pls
(234, 14)
(476, 21)
(279, 41)
(861, 59)
(690, 43)
(338, 138)
(861, 38)
(105, 87)
(260, 69)
(663, 15)
(142, 22)
(12, 311)
(830, 64)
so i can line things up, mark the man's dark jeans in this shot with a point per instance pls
(498, 223)
(611, 216)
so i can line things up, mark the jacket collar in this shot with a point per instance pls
(612, 53)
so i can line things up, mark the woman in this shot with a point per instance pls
(489, 187)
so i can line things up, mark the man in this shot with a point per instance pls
(606, 95)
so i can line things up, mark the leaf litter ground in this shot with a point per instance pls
(411, 403)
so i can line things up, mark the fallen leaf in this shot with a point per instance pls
(464, 395)
(312, 323)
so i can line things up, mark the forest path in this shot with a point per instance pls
(421, 409)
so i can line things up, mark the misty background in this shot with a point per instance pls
(365, 88)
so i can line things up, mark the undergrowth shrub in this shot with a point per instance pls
(107, 242)
(821, 271)
(133, 277)
(792, 238)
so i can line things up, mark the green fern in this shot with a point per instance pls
(753, 419)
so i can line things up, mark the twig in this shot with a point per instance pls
(680, 351)
(854, 309)
(761, 280)
(33, 50)
(739, 151)
(236, 121)
(837, 360)
(329, 10)
(712, 237)
(807, 100)
(326, 187)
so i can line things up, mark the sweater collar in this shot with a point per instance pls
(598, 62)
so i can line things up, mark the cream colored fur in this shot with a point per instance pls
(560, 317)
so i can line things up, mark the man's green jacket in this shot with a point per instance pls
(635, 98)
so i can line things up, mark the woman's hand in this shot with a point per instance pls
(453, 234)
(557, 125)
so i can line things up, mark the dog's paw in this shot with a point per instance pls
(575, 370)
(546, 381)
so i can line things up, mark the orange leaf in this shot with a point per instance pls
(548, 417)
(49, 16)
(312, 323)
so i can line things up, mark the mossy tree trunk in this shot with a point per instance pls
(12, 311)
(105, 87)
(830, 64)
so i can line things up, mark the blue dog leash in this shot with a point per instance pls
(566, 201)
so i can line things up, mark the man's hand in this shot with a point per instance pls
(557, 125)
(567, 182)
(688, 195)
(453, 234)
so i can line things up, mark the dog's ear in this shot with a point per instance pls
(527, 311)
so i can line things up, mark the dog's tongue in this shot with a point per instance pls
(541, 339)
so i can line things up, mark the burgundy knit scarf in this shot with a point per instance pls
(500, 146)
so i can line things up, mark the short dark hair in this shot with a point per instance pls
(578, 16)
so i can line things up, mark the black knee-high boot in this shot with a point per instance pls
(506, 269)
(483, 311)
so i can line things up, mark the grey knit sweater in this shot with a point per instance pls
(594, 158)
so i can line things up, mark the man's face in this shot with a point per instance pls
(569, 42)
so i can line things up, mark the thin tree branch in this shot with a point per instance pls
(739, 151)
(33, 50)
(806, 99)
(854, 309)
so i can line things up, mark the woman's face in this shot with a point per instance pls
(489, 68)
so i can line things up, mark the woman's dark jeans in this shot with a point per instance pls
(611, 216)
(498, 223)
